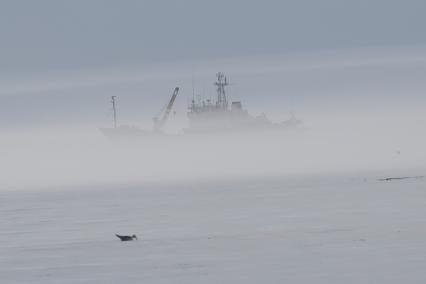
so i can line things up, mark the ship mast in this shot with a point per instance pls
(114, 110)
(221, 83)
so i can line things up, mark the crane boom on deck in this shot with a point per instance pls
(159, 123)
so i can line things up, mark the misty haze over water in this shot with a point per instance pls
(361, 109)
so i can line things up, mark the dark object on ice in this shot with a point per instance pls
(399, 178)
(127, 238)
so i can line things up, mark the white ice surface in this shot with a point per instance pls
(334, 230)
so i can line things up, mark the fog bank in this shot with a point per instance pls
(362, 111)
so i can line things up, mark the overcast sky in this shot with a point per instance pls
(50, 34)
(62, 60)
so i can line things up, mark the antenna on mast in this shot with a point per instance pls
(115, 110)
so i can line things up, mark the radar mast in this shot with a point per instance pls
(220, 84)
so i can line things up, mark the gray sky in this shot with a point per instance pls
(51, 35)
(60, 61)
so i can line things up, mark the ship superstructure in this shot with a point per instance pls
(219, 116)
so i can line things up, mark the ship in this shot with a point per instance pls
(220, 116)
(206, 117)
